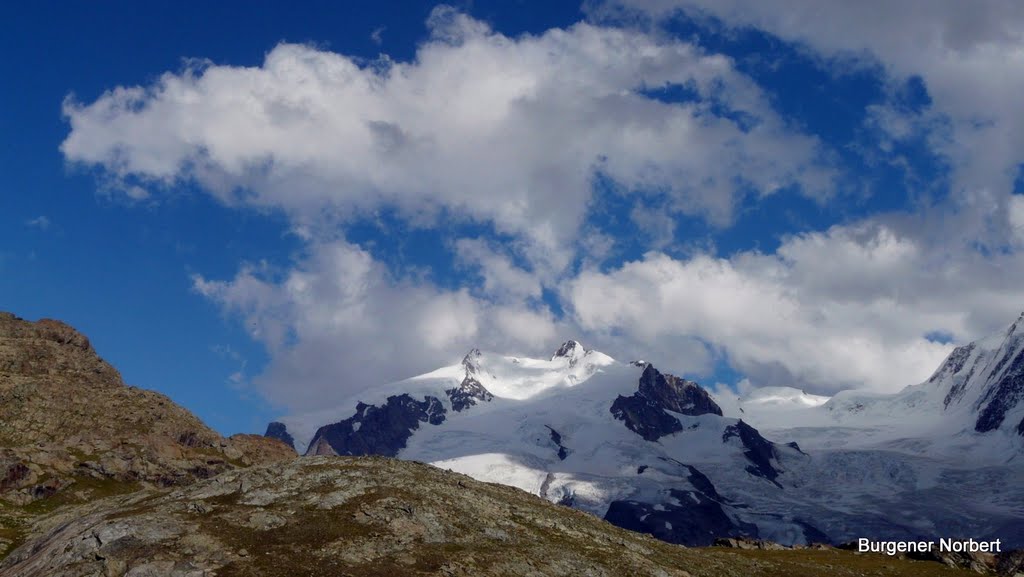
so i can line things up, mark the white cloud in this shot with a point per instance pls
(970, 56)
(1015, 214)
(512, 132)
(503, 280)
(508, 131)
(337, 323)
(847, 308)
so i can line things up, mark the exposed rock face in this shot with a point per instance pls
(278, 430)
(1005, 390)
(367, 516)
(468, 393)
(381, 430)
(259, 449)
(989, 375)
(675, 394)
(758, 450)
(373, 517)
(470, 390)
(65, 413)
(556, 438)
(570, 350)
(71, 431)
(644, 417)
(698, 520)
(645, 412)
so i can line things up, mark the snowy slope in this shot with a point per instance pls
(654, 453)
(548, 427)
(970, 410)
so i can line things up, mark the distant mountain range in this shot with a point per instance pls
(100, 478)
(655, 453)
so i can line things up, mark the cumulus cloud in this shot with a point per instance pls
(498, 130)
(502, 279)
(851, 307)
(511, 135)
(970, 56)
(337, 322)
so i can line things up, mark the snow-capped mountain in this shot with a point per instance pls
(656, 453)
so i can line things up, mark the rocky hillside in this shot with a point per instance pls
(372, 516)
(71, 430)
(104, 479)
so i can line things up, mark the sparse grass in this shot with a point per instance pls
(824, 563)
(92, 488)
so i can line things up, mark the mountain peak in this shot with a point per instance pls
(569, 348)
(472, 360)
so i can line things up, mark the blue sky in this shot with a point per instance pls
(259, 209)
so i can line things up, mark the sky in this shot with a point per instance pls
(261, 208)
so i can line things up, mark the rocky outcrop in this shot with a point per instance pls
(644, 417)
(65, 414)
(376, 516)
(470, 390)
(1006, 389)
(689, 517)
(278, 430)
(556, 438)
(571, 350)
(378, 430)
(71, 431)
(366, 516)
(645, 414)
(758, 450)
(674, 394)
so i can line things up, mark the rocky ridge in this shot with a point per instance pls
(71, 430)
(129, 496)
(372, 516)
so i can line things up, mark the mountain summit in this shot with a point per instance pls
(623, 441)
(657, 453)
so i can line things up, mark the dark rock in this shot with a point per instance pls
(701, 482)
(278, 430)
(758, 450)
(382, 430)
(1010, 562)
(675, 394)
(567, 349)
(644, 417)
(1002, 395)
(14, 474)
(468, 393)
(645, 413)
(697, 521)
(470, 390)
(747, 543)
(189, 439)
(640, 470)
(953, 364)
(556, 438)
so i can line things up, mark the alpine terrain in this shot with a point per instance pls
(103, 479)
(655, 453)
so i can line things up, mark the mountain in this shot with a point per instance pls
(106, 479)
(658, 454)
(71, 430)
(644, 449)
(373, 517)
(971, 408)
